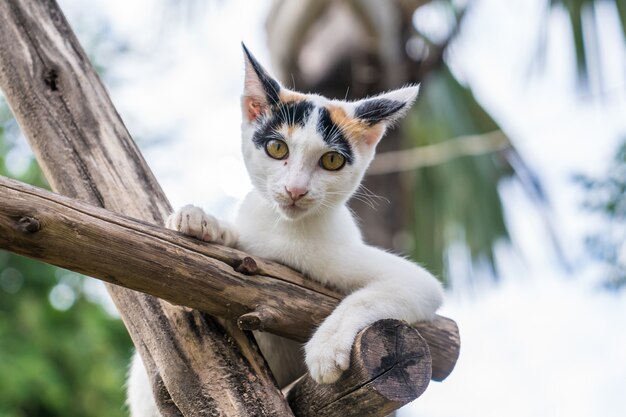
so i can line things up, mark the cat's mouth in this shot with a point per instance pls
(294, 209)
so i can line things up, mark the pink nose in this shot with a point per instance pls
(296, 193)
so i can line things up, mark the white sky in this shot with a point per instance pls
(541, 343)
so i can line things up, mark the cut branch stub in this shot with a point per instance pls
(259, 319)
(29, 225)
(390, 365)
(247, 266)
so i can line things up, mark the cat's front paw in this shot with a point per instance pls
(193, 221)
(327, 355)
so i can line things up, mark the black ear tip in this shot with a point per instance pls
(247, 53)
(271, 86)
(377, 110)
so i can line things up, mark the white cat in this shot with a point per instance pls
(306, 155)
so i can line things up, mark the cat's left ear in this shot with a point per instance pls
(384, 110)
(260, 90)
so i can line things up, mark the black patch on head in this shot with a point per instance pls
(270, 85)
(377, 110)
(333, 135)
(290, 114)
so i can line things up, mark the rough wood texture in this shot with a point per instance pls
(444, 342)
(390, 366)
(86, 152)
(198, 365)
(182, 270)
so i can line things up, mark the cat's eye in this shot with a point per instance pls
(332, 161)
(277, 149)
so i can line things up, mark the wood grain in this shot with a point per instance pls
(86, 152)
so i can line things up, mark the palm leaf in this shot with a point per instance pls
(457, 201)
(584, 24)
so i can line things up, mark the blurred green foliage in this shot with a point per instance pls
(456, 201)
(62, 353)
(584, 24)
(607, 196)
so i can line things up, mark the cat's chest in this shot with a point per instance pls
(306, 246)
(299, 249)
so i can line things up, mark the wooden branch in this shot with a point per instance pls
(182, 270)
(197, 366)
(390, 366)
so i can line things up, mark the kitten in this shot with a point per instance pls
(306, 155)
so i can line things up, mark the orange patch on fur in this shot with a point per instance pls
(287, 96)
(355, 130)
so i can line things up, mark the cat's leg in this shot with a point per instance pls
(390, 287)
(140, 400)
(193, 221)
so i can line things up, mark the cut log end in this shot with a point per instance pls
(390, 366)
(397, 359)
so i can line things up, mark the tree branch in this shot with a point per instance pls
(199, 366)
(179, 269)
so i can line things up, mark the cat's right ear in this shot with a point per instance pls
(260, 90)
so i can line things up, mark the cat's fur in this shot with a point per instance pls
(297, 215)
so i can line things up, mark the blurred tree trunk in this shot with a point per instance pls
(350, 49)
(354, 48)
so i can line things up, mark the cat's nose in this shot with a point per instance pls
(296, 193)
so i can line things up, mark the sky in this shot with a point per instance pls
(545, 341)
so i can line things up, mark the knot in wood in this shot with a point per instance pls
(29, 225)
(51, 79)
(247, 266)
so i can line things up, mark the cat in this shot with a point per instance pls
(306, 155)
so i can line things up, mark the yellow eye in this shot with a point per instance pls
(277, 149)
(332, 161)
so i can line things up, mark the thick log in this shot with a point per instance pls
(86, 152)
(182, 270)
(390, 366)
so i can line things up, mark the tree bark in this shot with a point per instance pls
(180, 269)
(200, 367)
(197, 365)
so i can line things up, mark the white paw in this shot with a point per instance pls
(193, 221)
(327, 355)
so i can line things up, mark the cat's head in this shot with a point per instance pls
(306, 153)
